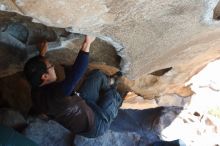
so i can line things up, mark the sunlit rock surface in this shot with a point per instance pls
(154, 34)
(198, 123)
(148, 35)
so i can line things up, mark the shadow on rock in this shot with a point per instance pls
(134, 127)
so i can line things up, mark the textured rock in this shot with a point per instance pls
(217, 12)
(173, 100)
(12, 118)
(148, 35)
(19, 38)
(131, 127)
(113, 138)
(134, 128)
(151, 29)
(8, 5)
(199, 121)
(101, 53)
(48, 133)
(133, 101)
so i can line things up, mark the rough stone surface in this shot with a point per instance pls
(130, 128)
(19, 38)
(199, 121)
(148, 35)
(12, 118)
(113, 138)
(133, 101)
(151, 29)
(173, 100)
(8, 5)
(134, 128)
(48, 133)
(101, 53)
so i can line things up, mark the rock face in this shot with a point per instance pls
(134, 128)
(151, 29)
(48, 133)
(161, 45)
(12, 118)
(148, 35)
(19, 38)
(131, 128)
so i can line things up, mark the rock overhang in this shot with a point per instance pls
(148, 35)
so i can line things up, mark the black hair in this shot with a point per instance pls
(34, 68)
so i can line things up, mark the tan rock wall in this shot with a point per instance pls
(146, 29)
(148, 35)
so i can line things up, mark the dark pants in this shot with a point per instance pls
(103, 99)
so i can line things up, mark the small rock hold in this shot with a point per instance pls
(196, 114)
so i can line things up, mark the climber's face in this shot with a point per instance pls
(50, 76)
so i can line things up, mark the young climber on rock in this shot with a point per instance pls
(88, 113)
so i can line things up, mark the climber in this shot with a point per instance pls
(89, 112)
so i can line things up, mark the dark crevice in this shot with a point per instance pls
(161, 71)
(216, 14)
